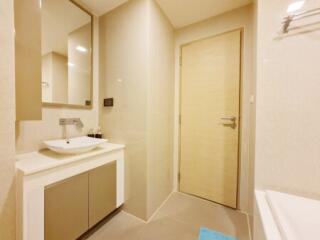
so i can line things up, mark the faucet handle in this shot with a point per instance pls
(71, 121)
(79, 123)
(62, 121)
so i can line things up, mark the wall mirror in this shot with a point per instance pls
(66, 54)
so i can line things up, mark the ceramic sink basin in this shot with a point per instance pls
(74, 145)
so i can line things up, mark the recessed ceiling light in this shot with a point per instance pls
(81, 49)
(70, 64)
(295, 6)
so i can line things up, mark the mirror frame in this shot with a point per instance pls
(66, 105)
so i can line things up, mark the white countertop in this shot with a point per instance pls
(34, 162)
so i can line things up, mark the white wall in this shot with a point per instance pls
(79, 75)
(7, 130)
(59, 78)
(54, 78)
(239, 18)
(288, 85)
(31, 134)
(46, 78)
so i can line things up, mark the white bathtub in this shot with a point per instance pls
(288, 217)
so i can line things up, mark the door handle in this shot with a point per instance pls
(233, 119)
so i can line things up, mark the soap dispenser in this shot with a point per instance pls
(91, 133)
(98, 133)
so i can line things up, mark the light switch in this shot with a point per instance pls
(252, 99)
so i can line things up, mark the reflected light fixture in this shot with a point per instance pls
(295, 6)
(70, 64)
(81, 49)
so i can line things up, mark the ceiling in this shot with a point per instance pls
(185, 12)
(180, 12)
(100, 7)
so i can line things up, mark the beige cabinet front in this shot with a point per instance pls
(102, 192)
(27, 21)
(74, 205)
(66, 208)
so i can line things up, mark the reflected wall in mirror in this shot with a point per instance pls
(66, 54)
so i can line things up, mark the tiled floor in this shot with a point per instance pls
(179, 219)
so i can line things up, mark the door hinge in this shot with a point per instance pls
(180, 119)
(180, 60)
(179, 177)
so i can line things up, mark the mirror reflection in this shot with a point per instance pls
(66, 53)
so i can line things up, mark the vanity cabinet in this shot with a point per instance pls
(102, 192)
(66, 208)
(74, 205)
(61, 196)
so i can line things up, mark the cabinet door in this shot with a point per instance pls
(66, 208)
(102, 192)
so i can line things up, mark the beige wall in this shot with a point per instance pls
(239, 18)
(31, 134)
(136, 44)
(7, 113)
(123, 76)
(287, 129)
(252, 204)
(160, 108)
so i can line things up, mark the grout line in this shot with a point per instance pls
(182, 222)
(249, 227)
(155, 212)
(161, 205)
(140, 219)
(214, 204)
(179, 221)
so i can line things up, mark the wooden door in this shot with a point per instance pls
(210, 100)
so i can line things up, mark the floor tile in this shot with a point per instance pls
(180, 218)
(164, 228)
(201, 213)
(121, 226)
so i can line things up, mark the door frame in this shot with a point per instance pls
(240, 109)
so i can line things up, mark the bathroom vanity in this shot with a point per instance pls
(63, 196)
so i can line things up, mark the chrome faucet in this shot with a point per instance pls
(69, 121)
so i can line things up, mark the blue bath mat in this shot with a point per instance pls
(206, 234)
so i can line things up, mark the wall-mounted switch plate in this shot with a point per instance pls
(108, 102)
(252, 99)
